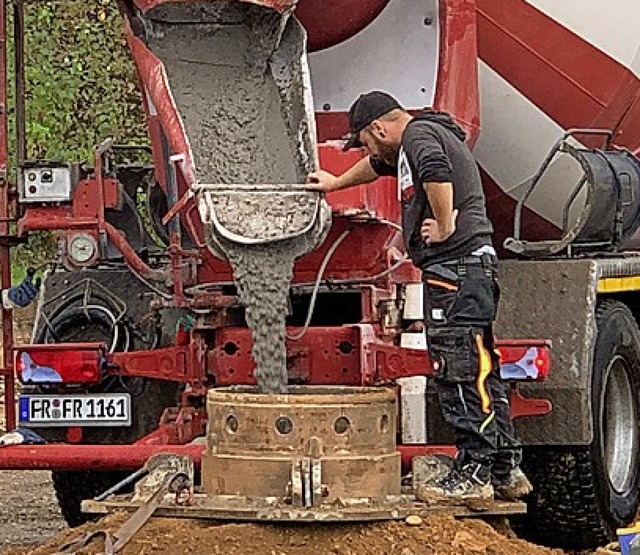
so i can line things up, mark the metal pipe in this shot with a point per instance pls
(567, 207)
(5, 259)
(129, 254)
(171, 184)
(175, 237)
(81, 457)
(129, 479)
(18, 47)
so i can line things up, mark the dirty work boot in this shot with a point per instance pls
(515, 485)
(472, 481)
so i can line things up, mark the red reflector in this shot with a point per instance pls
(63, 363)
(543, 363)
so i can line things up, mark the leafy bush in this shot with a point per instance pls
(81, 83)
(81, 87)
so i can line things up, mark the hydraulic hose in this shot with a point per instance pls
(316, 287)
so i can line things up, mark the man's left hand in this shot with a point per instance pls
(432, 232)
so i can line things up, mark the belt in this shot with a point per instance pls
(459, 267)
(485, 260)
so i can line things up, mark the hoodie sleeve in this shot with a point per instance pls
(427, 155)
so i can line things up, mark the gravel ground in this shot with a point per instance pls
(29, 514)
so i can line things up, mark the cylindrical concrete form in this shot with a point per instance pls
(310, 447)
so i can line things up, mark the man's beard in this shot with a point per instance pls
(388, 154)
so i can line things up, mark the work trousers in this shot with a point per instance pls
(461, 300)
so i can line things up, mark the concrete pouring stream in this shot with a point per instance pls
(237, 72)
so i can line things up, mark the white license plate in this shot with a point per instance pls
(108, 409)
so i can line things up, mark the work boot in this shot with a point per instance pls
(515, 485)
(471, 481)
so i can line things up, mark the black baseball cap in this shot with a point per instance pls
(367, 108)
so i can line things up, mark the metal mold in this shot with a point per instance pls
(313, 447)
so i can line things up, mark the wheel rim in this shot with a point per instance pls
(620, 429)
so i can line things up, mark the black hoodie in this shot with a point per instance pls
(434, 151)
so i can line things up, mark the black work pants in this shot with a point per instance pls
(461, 300)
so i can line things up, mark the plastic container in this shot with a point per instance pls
(629, 539)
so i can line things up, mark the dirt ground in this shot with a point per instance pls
(29, 513)
(436, 536)
(31, 524)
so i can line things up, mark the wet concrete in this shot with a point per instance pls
(217, 61)
(237, 73)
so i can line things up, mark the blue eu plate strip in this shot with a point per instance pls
(24, 410)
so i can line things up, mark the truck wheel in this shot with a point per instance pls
(582, 494)
(149, 399)
(72, 487)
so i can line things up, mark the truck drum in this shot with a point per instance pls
(582, 494)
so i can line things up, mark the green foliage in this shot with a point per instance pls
(81, 84)
(40, 249)
(81, 87)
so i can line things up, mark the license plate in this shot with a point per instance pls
(108, 409)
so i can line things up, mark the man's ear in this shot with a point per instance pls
(377, 129)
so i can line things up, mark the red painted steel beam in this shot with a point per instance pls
(576, 84)
(5, 260)
(82, 457)
(130, 457)
(130, 255)
(457, 89)
(154, 80)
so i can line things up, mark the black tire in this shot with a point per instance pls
(149, 400)
(582, 494)
(72, 487)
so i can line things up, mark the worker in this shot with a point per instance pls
(23, 294)
(448, 236)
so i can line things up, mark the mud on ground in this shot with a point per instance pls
(437, 535)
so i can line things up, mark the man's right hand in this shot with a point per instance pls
(322, 181)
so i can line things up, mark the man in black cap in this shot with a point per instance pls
(448, 236)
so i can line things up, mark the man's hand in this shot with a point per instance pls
(23, 294)
(432, 232)
(322, 181)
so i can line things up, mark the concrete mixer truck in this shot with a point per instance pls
(140, 317)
